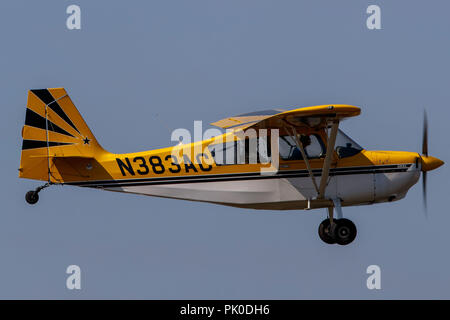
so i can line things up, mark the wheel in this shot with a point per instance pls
(345, 231)
(32, 197)
(325, 233)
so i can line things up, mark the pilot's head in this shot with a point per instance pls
(305, 140)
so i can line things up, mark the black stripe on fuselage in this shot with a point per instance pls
(45, 96)
(241, 176)
(34, 144)
(33, 119)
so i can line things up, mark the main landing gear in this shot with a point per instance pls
(32, 197)
(341, 231)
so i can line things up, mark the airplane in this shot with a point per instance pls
(319, 166)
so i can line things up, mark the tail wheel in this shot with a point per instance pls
(32, 197)
(325, 232)
(345, 231)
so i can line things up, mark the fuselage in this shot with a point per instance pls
(364, 178)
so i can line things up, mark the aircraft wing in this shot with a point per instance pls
(247, 119)
(312, 117)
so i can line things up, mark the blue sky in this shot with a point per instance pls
(138, 70)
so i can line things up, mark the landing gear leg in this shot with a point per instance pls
(341, 231)
(32, 197)
(338, 207)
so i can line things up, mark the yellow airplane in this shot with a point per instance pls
(317, 165)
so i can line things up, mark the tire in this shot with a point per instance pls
(32, 197)
(324, 232)
(345, 232)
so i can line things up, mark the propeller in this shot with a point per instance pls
(428, 162)
(425, 153)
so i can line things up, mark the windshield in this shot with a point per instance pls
(345, 146)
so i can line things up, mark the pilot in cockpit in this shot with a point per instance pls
(305, 140)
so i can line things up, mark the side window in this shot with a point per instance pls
(244, 152)
(224, 153)
(313, 145)
(316, 148)
(288, 149)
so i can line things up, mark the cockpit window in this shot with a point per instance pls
(345, 146)
(313, 145)
(250, 151)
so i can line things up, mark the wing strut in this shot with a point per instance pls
(305, 158)
(327, 162)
